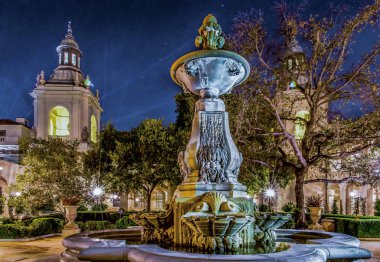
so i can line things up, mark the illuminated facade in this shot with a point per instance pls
(64, 104)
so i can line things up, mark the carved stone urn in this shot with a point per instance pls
(315, 215)
(70, 228)
(211, 160)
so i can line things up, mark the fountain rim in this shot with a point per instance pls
(210, 53)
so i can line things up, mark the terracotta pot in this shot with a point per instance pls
(315, 214)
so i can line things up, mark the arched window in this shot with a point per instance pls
(66, 58)
(302, 117)
(160, 199)
(74, 59)
(59, 122)
(138, 201)
(94, 129)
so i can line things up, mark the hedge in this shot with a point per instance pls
(95, 225)
(10, 231)
(44, 226)
(362, 228)
(38, 227)
(332, 216)
(124, 222)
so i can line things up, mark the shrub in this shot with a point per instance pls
(291, 224)
(124, 222)
(99, 207)
(44, 226)
(95, 225)
(314, 201)
(84, 216)
(6, 220)
(10, 231)
(288, 207)
(264, 208)
(362, 228)
(335, 209)
(377, 207)
(82, 207)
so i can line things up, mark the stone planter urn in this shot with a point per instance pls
(70, 228)
(328, 224)
(315, 214)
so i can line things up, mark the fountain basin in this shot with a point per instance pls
(326, 246)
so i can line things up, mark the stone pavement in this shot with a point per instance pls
(49, 249)
(374, 246)
(43, 250)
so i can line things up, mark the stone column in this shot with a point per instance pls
(343, 197)
(75, 132)
(348, 200)
(369, 203)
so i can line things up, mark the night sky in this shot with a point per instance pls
(128, 48)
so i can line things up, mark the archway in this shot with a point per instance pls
(94, 129)
(59, 121)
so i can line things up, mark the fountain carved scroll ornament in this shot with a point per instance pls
(158, 227)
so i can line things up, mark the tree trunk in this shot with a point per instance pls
(300, 199)
(148, 197)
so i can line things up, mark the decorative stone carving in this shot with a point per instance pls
(210, 34)
(85, 134)
(158, 227)
(233, 67)
(265, 226)
(212, 154)
(182, 165)
(40, 78)
(214, 223)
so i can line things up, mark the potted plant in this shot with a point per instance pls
(71, 205)
(314, 203)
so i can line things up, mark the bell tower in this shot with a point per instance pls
(64, 104)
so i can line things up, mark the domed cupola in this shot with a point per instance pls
(68, 51)
(69, 61)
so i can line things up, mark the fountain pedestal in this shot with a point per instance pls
(210, 164)
(211, 160)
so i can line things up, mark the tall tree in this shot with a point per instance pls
(53, 175)
(148, 157)
(318, 74)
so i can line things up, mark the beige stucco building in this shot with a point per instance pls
(64, 104)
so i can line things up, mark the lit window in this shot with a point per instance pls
(66, 57)
(138, 200)
(160, 199)
(74, 59)
(59, 124)
(302, 117)
(59, 58)
(94, 129)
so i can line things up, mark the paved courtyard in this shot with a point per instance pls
(49, 249)
(44, 250)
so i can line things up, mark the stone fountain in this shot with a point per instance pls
(210, 211)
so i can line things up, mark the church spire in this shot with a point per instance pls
(69, 30)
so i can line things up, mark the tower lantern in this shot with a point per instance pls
(294, 66)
